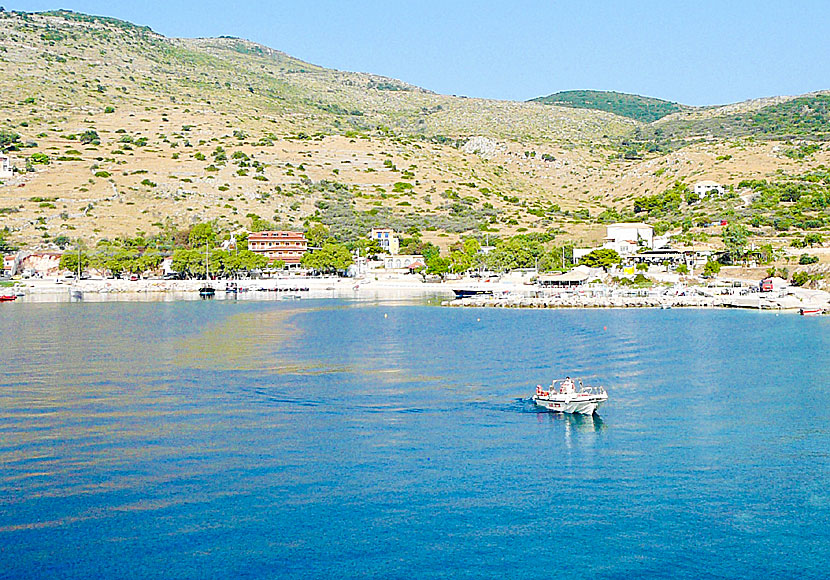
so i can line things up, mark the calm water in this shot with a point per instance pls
(327, 439)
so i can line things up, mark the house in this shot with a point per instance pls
(9, 265)
(279, 245)
(6, 171)
(398, 262)
(627, 238)
(709, 188)
(386, 239)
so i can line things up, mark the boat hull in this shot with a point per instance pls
(575, 405)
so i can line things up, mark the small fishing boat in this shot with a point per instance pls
(564, 397)
(7, 297)
(810, 311)
(207, 291)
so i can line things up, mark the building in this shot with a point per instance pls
(576, 277)
(398, 262)
(386, 239)
(708, 188)
(627, 238)
(9, 265)
(282, 245)
(6, 171)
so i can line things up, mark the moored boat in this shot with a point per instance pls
(469, 292)
(7, 297)
(810, 311)
(564, 397)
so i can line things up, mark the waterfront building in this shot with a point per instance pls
(627, 238)
(386, 239)
(279, 245)
(398, 262)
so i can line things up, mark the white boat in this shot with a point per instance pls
(564, 396)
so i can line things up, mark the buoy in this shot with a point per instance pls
(605, 328)
(386, 316)
(478, 319)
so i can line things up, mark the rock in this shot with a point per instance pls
(482, 146)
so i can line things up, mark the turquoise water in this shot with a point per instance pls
(325, 439)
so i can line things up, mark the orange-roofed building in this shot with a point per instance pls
(286, 246)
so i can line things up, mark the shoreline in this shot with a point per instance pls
(501, 294)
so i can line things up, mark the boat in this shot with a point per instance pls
(207, 291)
(469, 292)
(564, 397)
(7, 297)
(810, 311)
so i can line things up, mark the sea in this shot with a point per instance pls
(348, 439)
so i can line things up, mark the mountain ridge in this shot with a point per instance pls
(222, 129)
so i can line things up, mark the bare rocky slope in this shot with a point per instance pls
(123, 132)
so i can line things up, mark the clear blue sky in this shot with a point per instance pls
(700, 52)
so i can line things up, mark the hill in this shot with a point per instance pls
(119, 133)
(645, 109)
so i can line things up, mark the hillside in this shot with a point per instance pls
(645, 109)
(117, 132)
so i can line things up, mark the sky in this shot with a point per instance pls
(702, 52)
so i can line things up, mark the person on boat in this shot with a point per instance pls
(567, 386)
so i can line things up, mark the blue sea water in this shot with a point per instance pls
(323, 439)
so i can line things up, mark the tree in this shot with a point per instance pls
(711, 268)
(800, 278)
(517, 252)
(260, 225)
(186, 261)
(368, 248)
(601, 258)
(459, 262)
(317, 235)
(682, 269)
(69, 261)
(813, 238)
(201, 234)
(472, 246)
(438, 265)
(734, 238)
(332, 257)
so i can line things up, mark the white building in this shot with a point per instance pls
(709, 188)
(627, 238)
(397, 262)
(9, 265)
(386, 239)
(5, 167)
